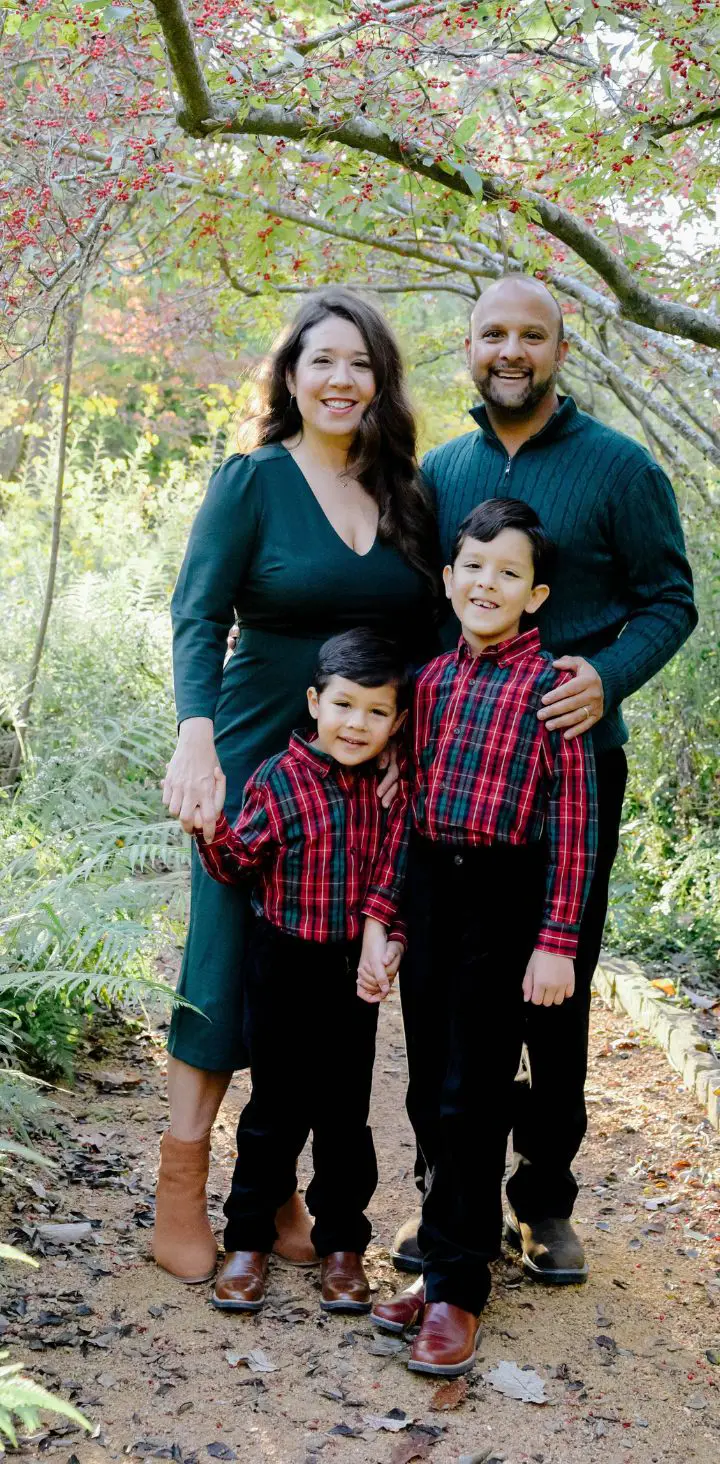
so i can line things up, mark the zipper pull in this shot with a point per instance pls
(508, 466)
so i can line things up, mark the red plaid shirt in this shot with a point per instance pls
(487, 771)
(323, 848)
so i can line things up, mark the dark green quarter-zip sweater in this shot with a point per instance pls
(622, 595)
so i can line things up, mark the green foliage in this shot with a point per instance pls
(93, 870)
(666, 904)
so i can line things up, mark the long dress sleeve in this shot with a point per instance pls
(217, 559)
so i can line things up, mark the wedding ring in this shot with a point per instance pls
(587, 712)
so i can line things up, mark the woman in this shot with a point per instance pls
(323, 527)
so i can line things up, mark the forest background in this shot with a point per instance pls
(171, 180)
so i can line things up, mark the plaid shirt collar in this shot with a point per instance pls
(527, 643)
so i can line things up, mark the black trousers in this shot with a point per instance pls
(542, 1183)
(474, 916)
(312, 1046)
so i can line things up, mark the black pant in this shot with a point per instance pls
(542, 1183)
(312, 1046)
(474, 916)
(550, 1119)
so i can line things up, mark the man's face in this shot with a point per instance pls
(513, 352)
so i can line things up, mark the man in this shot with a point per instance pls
(622, 605)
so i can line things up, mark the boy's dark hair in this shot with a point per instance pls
(489, 519)
(365, 657)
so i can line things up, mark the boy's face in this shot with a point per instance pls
(354, 722)
(491, 585)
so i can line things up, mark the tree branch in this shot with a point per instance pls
(201, 118)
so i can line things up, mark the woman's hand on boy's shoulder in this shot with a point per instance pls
(549, 979)
(576, 705)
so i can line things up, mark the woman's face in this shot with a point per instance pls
(333, 381)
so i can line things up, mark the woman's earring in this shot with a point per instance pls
(293, 403)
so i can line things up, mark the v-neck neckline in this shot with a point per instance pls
(325, 516)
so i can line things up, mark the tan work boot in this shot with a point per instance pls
(294, 1223)
(183, 1242)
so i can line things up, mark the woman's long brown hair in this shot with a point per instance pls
(383, 452)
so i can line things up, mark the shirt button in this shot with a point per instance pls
(458, 859)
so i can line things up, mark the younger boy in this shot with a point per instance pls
(325, 853)
(500, 861)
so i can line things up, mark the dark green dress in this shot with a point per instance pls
(261, 547)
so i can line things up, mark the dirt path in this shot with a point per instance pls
(630, 1363)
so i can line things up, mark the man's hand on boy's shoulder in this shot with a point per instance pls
(548, 979)
(576, 705)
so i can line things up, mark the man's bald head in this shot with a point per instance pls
(516, 348)
(515, 287)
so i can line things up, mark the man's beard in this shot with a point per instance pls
(524, 404)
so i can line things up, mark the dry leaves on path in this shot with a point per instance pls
(516, 1382)
(449, 1395)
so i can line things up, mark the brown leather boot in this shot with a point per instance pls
(345, 1287)
(405, 1252)
(445, 1345)
(294, 1223)
(240, 1285)
(402, 1311)
(182, 1241)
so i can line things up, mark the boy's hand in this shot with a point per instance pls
(373, 983)
(394, 952)
(548, 979)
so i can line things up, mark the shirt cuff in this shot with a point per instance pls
(398, 932)
(222, 829)
(378, 907)
(557, 942)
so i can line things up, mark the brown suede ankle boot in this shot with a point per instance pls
(183, 1242)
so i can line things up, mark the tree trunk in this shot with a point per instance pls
(23, 721)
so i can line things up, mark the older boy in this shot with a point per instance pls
(502, 852)
(325, 855)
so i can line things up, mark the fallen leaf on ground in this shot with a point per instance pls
(220, 1451)
(256, 1360)
(410, 1447)
(114, 1082)
(516, 1382)
(66, 1234)
(448, 1395)
(393, 1421)
(478, 1458)
(345, 1431)
(664, 985)
(385, 1346)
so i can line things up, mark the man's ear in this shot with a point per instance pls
(312, 700)
(397, 724)
(537, 597)
(447, 580)
(562, 350)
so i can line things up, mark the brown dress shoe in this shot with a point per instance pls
(345, 1287)
(445, 1345)
(402, 1311)
(182, 1240)
(552, 1251)
(240, 1285)
(294, 1223)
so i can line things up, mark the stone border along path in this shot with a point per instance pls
(624, 986)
